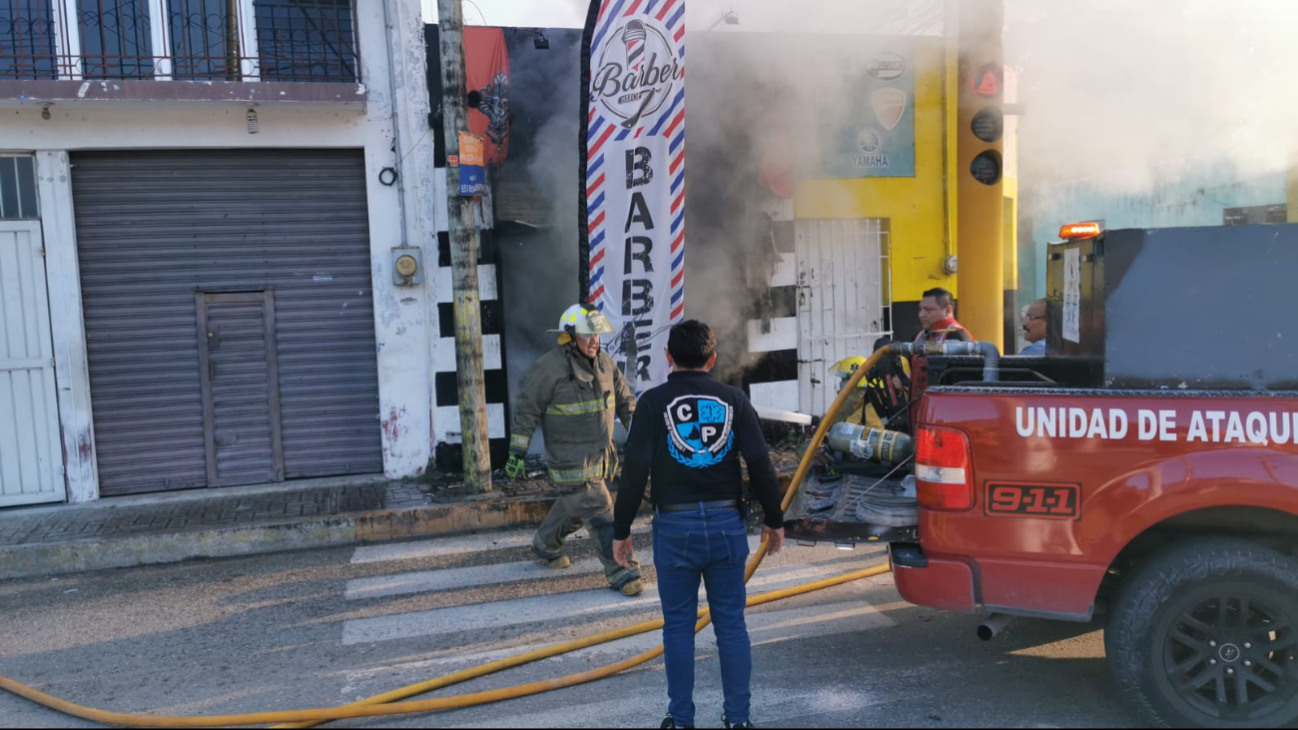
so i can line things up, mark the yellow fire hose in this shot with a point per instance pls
(387, 703)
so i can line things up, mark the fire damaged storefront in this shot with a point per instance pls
(815, 210)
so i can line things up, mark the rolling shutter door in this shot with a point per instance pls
(156, 228)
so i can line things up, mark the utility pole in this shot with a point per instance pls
(464, 256)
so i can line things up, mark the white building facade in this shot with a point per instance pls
(201, 207)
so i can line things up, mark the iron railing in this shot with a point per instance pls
(191, 40)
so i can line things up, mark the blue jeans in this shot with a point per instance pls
(711, 546)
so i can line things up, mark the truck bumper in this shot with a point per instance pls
(925, 581)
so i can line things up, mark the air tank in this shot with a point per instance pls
(871, 444)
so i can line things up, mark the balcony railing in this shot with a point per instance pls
(185, 40)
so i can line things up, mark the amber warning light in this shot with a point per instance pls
(1074, 231)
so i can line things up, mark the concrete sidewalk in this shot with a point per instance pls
(129, 532)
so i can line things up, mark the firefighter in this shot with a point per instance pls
(855, 409)
(879, 395)
(573, 393)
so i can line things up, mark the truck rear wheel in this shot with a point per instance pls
(1206, 634)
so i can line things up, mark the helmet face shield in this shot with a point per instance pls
(596, 324)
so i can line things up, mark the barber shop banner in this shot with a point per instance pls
(632, 214)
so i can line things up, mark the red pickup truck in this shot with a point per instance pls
(1146, 469)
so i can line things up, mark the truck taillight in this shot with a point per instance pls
(943, 472)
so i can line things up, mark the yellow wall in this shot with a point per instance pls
(914, 206)
(1010, 190)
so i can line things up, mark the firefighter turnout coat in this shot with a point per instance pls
(573, 400)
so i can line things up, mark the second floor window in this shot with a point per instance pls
(116, 39)
(196, 40)
(27, 49)
(306, 40)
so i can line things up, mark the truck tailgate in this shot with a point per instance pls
(863, 503)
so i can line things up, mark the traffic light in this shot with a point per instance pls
(980, 168)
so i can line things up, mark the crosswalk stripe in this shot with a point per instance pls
(429, 581)
(549, 608)
(494, 615)
(447, 546)
(771, 705)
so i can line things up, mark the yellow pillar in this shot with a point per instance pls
(980, 169)
(1291, 189)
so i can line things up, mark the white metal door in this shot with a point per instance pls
(843, 297)
(31, 469)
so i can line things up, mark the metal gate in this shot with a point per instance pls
(844, 300)
(31, 458)
(159, 234)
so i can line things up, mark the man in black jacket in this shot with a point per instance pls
(689, 434)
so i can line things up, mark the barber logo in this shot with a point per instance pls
(700, 430)
(638, 71)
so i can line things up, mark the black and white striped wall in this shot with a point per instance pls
(772, 383)
(446, 415)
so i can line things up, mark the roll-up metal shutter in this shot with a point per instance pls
(157, 232)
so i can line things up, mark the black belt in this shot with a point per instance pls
(699, 506)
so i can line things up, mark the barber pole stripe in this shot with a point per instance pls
(677, 132)
(596, 201)
(608, 132)
(680, 119)
(667, 115)
(608, 21)
(635, 53)
(677, 19)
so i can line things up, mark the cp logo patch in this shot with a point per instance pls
(700, 430)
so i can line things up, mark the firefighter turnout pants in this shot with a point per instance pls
(589, 504)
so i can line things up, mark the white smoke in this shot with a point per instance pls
(1161, 91)
(1161, 88)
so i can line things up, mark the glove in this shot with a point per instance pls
(516, 467)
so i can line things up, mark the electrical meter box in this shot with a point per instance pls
(407, 266)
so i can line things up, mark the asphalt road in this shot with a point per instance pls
(318, 629)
